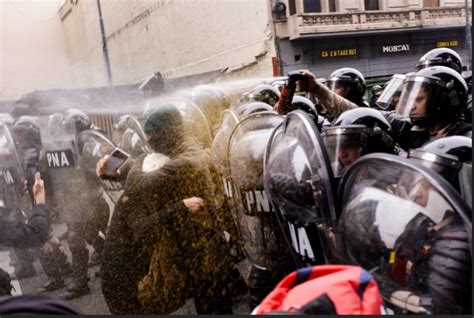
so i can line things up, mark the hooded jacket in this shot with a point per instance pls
(151, 220)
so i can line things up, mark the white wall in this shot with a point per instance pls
(176, 38)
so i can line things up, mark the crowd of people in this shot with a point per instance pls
(335, 205)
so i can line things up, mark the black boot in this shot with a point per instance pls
(80, 257)
(55, 265)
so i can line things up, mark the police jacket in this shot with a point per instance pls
(334, 103)
(32, 234)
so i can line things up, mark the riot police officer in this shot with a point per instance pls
(28, 144)
(451, 157)
(412, 230)
(344, 89)
(348, 83)
(376, 92)
(81, 204)
(88, 229)
(434, 99)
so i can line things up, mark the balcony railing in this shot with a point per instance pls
(308, 23)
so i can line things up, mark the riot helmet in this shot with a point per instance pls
(7, 119)
(354, 133)
(377, 90)
(164, 128)
(442, 56)
(409, 228)
(433, 94)
(467, 75)
(252, 108)
(212, 101)
(348, 83)
(262, 93)
(278, 84)
(451, 157)
(390, 95)
(27, 131)
(119, 128)
(344, 145)
(76, 117)
(303, 103)
(121, 123)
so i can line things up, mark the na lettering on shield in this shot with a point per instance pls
(300, 241)
(7, 176)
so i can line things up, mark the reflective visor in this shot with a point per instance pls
(338, 85)
(417, 94)
(344, 146)
(390, 96)
(414, 98)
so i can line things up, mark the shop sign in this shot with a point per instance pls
(396, 48)
(338, 53)
(447, 43)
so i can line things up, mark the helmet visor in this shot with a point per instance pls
(344, 146)
(390, 96)
(414, 99)
(340, 87)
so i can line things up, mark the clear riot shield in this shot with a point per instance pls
(133, 139)
(196, 125)
(219, 147)
(298, 179)
(406, 224)
(95, 145)
(68, 182)
(12, 200)
(256, 220)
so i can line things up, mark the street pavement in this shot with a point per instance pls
(92, 303)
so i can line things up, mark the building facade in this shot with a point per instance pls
(379, 38)
(175, 38)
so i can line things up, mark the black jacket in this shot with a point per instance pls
(32, 234)
(408, 138)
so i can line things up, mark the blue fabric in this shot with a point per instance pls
(302, 275)
(364, 280)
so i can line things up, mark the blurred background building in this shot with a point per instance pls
(377, 37)
(59, 44)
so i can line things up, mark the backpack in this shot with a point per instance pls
(325, 289)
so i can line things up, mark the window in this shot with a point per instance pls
(430, 3)
(292, 6)
(312, 5)
(371, 5)
(332, 5)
